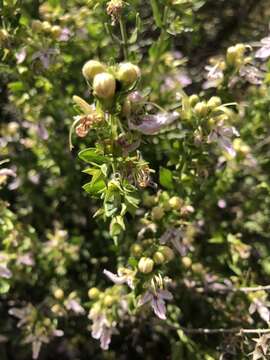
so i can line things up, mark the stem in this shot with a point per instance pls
(242, 289)
(71, 132)
(124, 37)
(223, 331)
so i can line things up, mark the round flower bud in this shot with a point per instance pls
(194, 99)
(201, 108)
(104, 85)
(46, 26)
(214, 102)
(93, 293)
(58, 294)
(92, 68)
(146, 265)
(56, 31)
(47, 322)
(108, 300)
(240, 49)
(56, 308)
(36, 25)
(136, 249)
(128, 73)
(159, 258)
(186, 261)
(167, 252)
(175, 202)
(157, 213)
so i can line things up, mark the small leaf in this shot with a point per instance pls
(166, 178)
(90, 155)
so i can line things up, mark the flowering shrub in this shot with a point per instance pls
(134, 180)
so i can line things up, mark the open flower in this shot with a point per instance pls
(264, 51)
(157, 301)
(123, 276)
(222, 135)
(151, 124)
(101, 328)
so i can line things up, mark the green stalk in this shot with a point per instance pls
(124, 37)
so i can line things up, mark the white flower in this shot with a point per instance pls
(101, 328)
(151, 124)
(264, 51)
(124, 276)
(222, 135)
(157, 302)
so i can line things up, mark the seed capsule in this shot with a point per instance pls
(167, 252)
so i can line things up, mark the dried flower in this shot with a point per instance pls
(114, 9)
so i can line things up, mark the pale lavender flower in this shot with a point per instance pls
(46, 56)
(214, 76)
(26, 259)
(222, 135)
(123, 277)
(7, 172)
(20, 55)
(264, 51)
(74, 305)
(65, 34)
(101, 328)
(152, 124)
(261, 308)
(5, 272)
(157, 301)
(174, 236)
(252, 74)
(222, 203)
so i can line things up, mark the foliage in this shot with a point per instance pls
(134, 179)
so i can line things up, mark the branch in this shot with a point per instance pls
(233, 289)
(238, 331)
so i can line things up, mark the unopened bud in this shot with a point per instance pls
(214, 102)
(146, 265)
(157, 213)
(128, 73)
(58, 294)
(159, 258)
(167, 252)
(93, 293)
(92, 68)
(201, 108)
(186, 261)
(175, 202)
(136, 249)
(194, 99)
(104, 85)
(108, 300)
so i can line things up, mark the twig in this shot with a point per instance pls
(238, 331)
(241, 289)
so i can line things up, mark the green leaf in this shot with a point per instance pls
(94, 187)
(156, 13)
(91, 155)
(166, 178)
(4, 286)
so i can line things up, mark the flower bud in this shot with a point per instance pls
(167, 252)
(126, 108)
(56, 31)
(83, 105)
(146, 265)
(36, 25)
(194, 99)
(175, 202)
(58, 294)
(157, 213)
(46, 26)
(92, 68)
(108, 300)
(186, 261)
(214, 102)
(136, 249)
(104, 85)
(201, 108)
(159, 258)
(128, 73)
(93, 293)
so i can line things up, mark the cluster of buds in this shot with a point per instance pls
(235, 55)
(104, 79)
(55, 31)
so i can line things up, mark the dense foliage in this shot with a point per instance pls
(134, 179)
